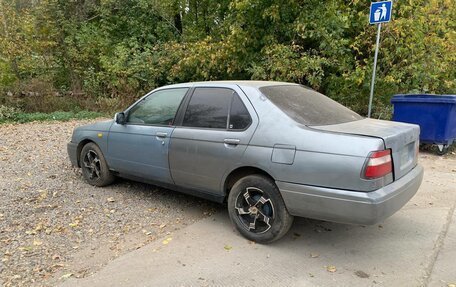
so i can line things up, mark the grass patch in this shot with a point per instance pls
(21, 117)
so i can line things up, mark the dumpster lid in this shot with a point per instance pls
(424, 98)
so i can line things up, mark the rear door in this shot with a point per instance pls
(216, 127)
(140, 147)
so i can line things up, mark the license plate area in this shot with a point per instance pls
(407, 156)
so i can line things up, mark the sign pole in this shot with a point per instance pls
(374, 69)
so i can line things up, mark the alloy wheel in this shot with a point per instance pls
(255, 210)
(92, 164)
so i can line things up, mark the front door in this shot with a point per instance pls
(140, 146)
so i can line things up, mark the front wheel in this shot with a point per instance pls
(257, 209)
(94, 167)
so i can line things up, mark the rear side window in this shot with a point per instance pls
(208, 108)
(239, 116)
(307, 106)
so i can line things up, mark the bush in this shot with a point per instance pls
(8, 113)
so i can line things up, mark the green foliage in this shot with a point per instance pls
(111, 52)
(10, 115)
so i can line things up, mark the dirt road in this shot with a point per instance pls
(53, 224)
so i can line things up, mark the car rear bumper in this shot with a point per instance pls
(72, 150)
(352, 207)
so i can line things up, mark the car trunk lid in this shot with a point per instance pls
(401, 138)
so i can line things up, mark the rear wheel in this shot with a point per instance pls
(94, 167)
(257, 209)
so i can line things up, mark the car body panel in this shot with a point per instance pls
(208, 153)
(140, 150)
(96, 132)
(346, 206)
(400, 137)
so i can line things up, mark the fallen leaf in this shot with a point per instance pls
(66, 276)
(167, 240)
(74, 224)
(314, 255)
(37, 242)
(26, 248)
(110, 199)
(331, 268)
(227, 247)
(162, 226)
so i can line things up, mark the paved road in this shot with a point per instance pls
(415, 247)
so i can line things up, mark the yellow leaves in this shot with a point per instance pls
(26, 248)
(74, 224)
(40, 226)
(43, 194)
(167, 241)
(331, 268)
(76, 221)
(37, 242)
(228, 247)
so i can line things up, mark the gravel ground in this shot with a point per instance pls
(53, 225)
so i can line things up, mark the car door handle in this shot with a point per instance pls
(232, 141)
(161, 135)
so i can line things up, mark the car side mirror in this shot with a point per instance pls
(120, 118)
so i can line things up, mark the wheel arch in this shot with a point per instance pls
(239, 173)
(81, 144)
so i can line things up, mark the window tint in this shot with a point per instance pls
(239, 116)
(157, 109)
(208, 108)
(307, 106)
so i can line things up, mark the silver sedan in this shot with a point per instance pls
(270, 150)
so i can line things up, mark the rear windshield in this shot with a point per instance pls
(307, 106)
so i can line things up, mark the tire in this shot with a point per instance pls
(257, 209)
(443, 150)
(94, 167)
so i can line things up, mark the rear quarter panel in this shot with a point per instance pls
(325, 159)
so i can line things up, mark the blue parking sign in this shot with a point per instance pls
(380, 12)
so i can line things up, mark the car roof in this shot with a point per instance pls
(246, 83)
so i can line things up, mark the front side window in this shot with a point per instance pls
(208, 108)
(157, 109)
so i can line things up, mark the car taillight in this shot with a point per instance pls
(379, 164)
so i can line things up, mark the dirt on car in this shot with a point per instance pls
(53, 225)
